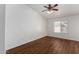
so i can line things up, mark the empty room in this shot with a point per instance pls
(42, 28)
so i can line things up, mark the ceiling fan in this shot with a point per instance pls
(51, 8)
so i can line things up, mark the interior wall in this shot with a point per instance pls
(73, 29)
(23, 25)
(50, 29)
(2, 28)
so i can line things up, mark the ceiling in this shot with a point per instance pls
(64, 10)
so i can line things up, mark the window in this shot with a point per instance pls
(57, 27)
(60, 26)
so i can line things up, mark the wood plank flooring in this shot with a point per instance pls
(47, 45)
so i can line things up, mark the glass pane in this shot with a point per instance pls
(57, 26)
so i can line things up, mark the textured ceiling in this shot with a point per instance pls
(64, 10)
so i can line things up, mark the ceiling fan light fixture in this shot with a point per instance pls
(50, 8)
(50, 12)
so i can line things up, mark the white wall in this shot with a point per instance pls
(23, 24)
(2, 27)
(73, 29)
(51, 28)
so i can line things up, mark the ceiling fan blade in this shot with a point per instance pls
(55, 9)
(45, 6)
(49, 5)
(55, 5)
(44, 10)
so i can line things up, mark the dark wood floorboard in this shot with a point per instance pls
(47, 45)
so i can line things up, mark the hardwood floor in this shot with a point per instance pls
(47, 45)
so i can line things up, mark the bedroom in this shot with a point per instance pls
(29, 30)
